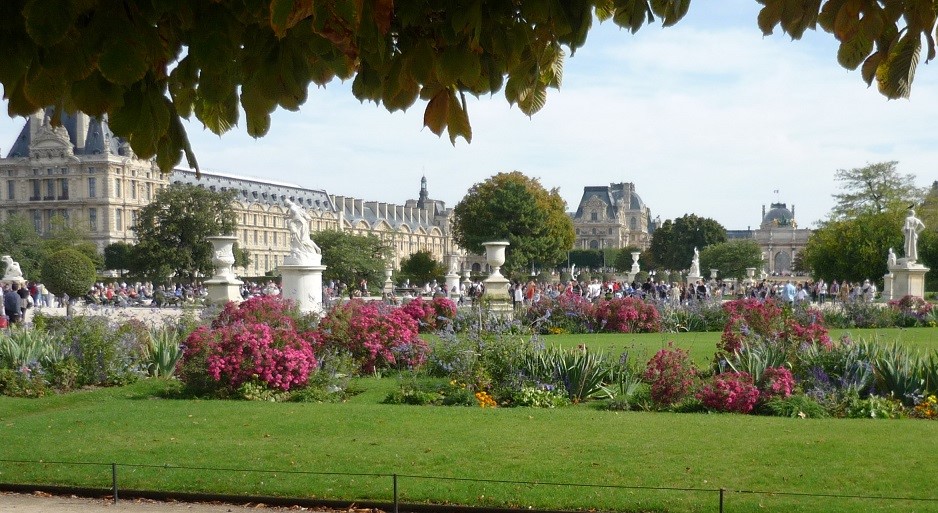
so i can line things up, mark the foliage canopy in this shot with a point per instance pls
(874, 188)
(513, 207)
(172, 232)
(68, 271)
(350, 258)
(149, 65)
(672, 244)
(854, 249)
(731, 258)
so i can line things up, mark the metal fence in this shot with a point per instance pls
(720, 498)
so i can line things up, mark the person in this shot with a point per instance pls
(11, 303)
(788, 292)
(912, 227)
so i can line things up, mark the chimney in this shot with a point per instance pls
(361, 207)
(81, 129)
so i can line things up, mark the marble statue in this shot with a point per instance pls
(12, 269)
(302, 248)
(891, 259)
(695, 264)
(912, 227)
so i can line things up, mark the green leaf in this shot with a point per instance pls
(152, 123)
(457, 121)
(852, 53)
(257, 109)
(217, 116)
(847, 21)
(43, 86)
(896, 73)
(868, 71)
(534, 99)
(48, 21)
(123, 59)
(769, 16)
(95, 95)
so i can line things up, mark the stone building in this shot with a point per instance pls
(778, 236)
(83, 173)
(612, 216)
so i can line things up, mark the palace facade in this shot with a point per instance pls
(612, 216)
(82, 173)
(779, 238)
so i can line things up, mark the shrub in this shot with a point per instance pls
(627, 315)
(278, 358)
(670, 373)
(795, 406)
(730, 392)
(776, 382)
(378, 336)
(431, 315)
(572, 313)
(103, 354)
(911, 311)
(262, 345)
(68, 272)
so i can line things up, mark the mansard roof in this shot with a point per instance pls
(255, 190)
(88, 136)
(613, 196)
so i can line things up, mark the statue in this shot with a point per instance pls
(12, 269)
(695, 264)
(303, 249)
(891, 259)
(912, 227)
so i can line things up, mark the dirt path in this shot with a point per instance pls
(45, 503)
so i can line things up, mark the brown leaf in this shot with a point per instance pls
(384, 13)
(437, 112)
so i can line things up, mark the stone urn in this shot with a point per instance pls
(223, 255)
(635, 268)
(495, 256)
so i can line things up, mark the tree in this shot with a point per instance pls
(18, 238)
(421, 268)
(623, 261)
(242, 256)
(350, 258)
(585, 258)
(672, 244)
(68, 271)
(148, 65)
(854, 249)
(513, 207)
(63, 235)
(874, 188)
(119, 256)
(731, 258)
(172, 230)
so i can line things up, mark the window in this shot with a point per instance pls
(633, 223)
(35, 187)
(11, 189)
(37, 220)
(49, 171)
(149, 188)
(92, 187)
(133, 219)
(63, 187)
(275, 238)
(118, 219)
(50, 189)
(64, 170)
(594, 216)
(93, 219)
(117, 187)
(92, 170)
(133, 189)
(255, 219)
(255, 236)
(265, 236)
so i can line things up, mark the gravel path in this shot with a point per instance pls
(45, 503)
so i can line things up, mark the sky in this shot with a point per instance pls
(707, 117)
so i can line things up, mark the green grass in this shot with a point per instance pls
(702, 346)
(133, 425)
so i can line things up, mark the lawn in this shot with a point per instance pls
(135, 425)
(702, 345)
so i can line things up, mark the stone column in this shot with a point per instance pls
(224, 286)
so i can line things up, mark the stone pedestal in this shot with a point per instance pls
(496, 285)
(692, 279)
(888, 287)
(224, 286)
(388, 283)
(452, 285)
(303, 284)
(908, 279)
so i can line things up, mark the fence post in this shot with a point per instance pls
(114, 480)
(721, 499)
(395, 493)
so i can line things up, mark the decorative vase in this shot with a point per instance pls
(495, 256)
(223, 255)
